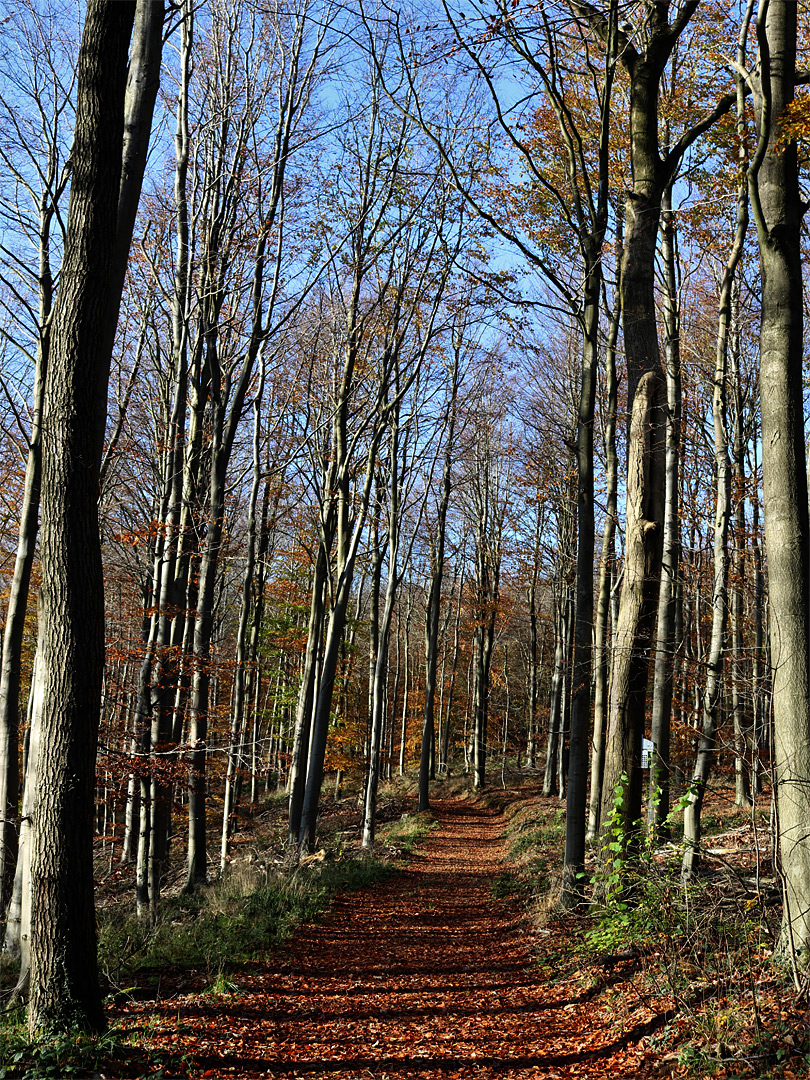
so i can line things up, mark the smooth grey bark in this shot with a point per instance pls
(453, 672)
(406, 689)
(591, 215)
(380, 672)
(534, 667)
(306, 696)
(664, 666)
(240, 687)
(601, 664)
(488, 508)
(761, 717)
(777, 208)
(143, 82)
(722, 517)
(231, 377)
(54, 181)
(376, 558)
(741, 674)
(17, 941)
(141, 91)
(347, 547)
(10, 672)
(633, 628)
(562, 608)
(155, 698)
(646, 480)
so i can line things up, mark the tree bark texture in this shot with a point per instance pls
(633, 632)
(664, 668)
(776, 204)
(64, 978)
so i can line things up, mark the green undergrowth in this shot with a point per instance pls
(56, 1054)
(705, 956)
(535, 838)
(229, 922)
(251, 910)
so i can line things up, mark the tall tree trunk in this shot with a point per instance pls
(646, 389)
(606, 569)
(10, 674)
(621, 796)
(557, 692)
(722, 516)
(740, 683)
(577, 771)
(433, 611)
(406, 692)
(777, 208)
(664, 670)
(64, 976)
(241, 687)
(306, 697)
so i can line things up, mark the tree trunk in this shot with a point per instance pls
(633, 633)
(606, 569)
(557, 692)
(722, 517)
(658, 800)
(241, 688)
(306, 697)
(577, 771)
(433, 612)
(64, 976)
(777, 207)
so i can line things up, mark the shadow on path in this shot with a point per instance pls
(425, 975)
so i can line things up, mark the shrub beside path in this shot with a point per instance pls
(424, 975)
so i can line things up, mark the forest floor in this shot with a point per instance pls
(432, 973)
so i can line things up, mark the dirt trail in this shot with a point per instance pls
(425, 975)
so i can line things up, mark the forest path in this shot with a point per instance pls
(424, 975)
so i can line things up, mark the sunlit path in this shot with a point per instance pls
(425, 975)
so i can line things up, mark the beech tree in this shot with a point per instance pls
(777, 209)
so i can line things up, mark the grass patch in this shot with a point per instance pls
(535, 839)
(402, 836)
(200, 938)
(243, 915)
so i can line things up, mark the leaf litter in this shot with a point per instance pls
(424, 975)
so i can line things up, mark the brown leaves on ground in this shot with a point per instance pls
(426, 975)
